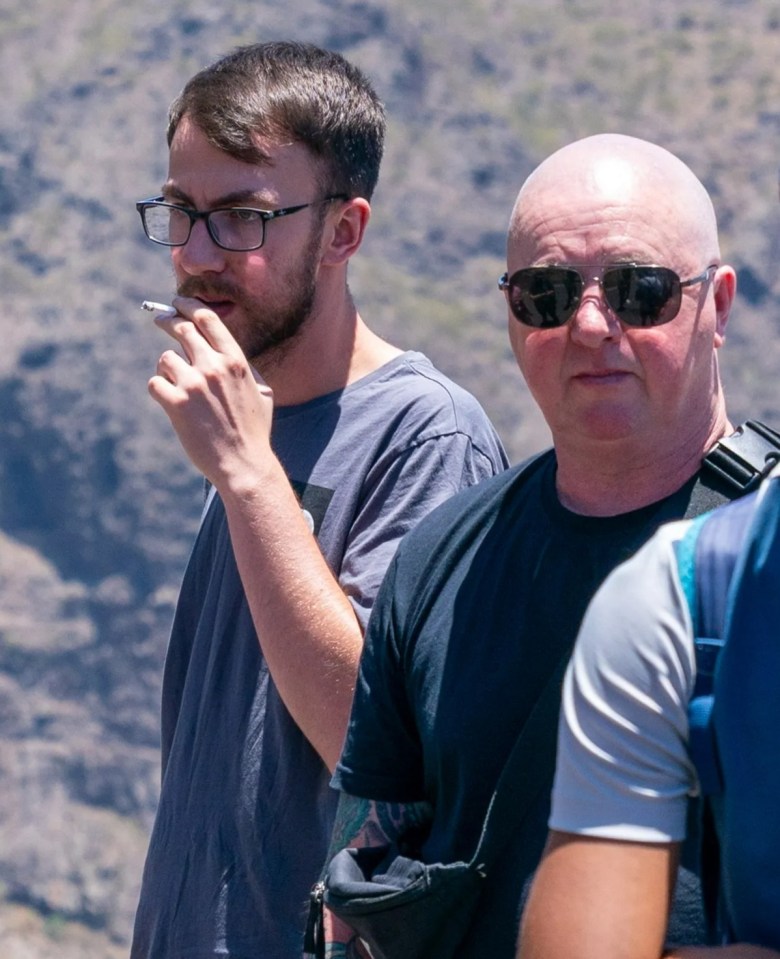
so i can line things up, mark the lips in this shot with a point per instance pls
(602, 377)
(219, 298)
(221, 307)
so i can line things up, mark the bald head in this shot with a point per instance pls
(612, 390)
(622, 180)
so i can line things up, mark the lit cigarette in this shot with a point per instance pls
(153, 307)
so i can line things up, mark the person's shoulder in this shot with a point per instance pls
(641, 592)
(411, 404)
(657, 555)
(472, 507)
(420, 382)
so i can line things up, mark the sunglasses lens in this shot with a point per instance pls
(544, 296)
(643, 295)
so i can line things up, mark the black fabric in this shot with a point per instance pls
(453, 664)
(402, 908)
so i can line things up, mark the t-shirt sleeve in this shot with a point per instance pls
(382, 755)
(623, 770)
(401, 488)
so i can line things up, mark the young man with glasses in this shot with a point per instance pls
(304, 422)
(618, 303)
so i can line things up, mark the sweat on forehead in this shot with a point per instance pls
(612, 170)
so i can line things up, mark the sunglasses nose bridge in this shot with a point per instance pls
(591, 288)
(594, 319)
(590, 291)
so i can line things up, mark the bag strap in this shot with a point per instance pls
(743, 459)
(526, 773)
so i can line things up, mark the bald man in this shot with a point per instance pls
(618, 303)
(624, 772)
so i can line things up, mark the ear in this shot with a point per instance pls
(345, 226)
(724, 285)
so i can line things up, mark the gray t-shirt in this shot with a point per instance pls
(623, 770)
(245, 810)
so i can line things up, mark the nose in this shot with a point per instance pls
(594, 322)
(200, 254)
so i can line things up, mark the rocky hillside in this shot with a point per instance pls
(98, 506)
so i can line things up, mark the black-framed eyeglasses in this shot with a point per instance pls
(236, 228)
(642, 296)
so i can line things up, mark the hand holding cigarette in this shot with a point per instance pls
(221, 414)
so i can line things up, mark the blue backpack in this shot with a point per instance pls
(729, 567)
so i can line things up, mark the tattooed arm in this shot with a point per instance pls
(359, 823)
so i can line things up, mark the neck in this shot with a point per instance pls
(333, 349)
(607, 478)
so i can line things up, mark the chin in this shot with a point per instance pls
(608, 426)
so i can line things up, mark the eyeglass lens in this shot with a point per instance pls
(235, 229)
(641, 296)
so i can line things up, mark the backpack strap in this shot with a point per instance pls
(707, 645)
(706, 556)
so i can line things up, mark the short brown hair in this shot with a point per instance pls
(290, 90)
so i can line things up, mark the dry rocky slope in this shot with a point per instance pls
(98, 506)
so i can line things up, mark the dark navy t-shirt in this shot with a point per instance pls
(246, 809)
(480, 602)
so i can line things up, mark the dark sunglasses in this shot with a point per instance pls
(548, 296)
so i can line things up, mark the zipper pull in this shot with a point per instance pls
(314, 939)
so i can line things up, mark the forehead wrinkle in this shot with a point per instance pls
(553, 237)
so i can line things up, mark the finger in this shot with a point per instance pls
(175, 379)
(216, 334)
(172, 366)
(200, 337)
(185, 332)
(164, 392)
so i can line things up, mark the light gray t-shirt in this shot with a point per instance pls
(245, 810)
(623, 770)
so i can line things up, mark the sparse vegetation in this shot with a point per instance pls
(97, 503)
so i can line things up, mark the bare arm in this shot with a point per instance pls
(595, 898)
(310, 636)
(608, 899)
(361, 823)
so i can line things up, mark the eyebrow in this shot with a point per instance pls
(236, 198)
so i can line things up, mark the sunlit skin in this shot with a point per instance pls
(606, 899)
(300, 267)
(638, 406)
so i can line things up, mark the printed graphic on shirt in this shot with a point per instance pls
(314, 502)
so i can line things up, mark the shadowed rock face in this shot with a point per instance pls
(97, 504)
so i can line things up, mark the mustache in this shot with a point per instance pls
(196, 287)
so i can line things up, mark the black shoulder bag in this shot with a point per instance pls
(403, 908)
